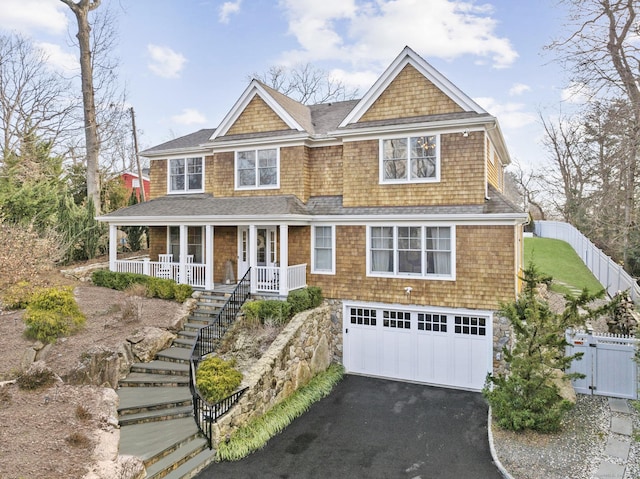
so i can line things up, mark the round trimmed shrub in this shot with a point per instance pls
(52, 313)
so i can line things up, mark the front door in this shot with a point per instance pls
(266, 244)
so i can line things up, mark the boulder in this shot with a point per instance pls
(102, 366)
(148, 342)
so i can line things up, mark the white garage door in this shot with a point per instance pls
(443, 347)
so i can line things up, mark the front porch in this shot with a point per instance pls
(187, 262)
(267, 278)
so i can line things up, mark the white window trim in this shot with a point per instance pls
(407, 180)
(422, 276)
(185, 191)
(332, 271)
(256, 186)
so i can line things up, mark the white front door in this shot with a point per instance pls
(266, 244)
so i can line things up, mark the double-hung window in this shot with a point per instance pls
(410, 159)
(185, 175)
(323, 250)
(257, 168)
(410, 251)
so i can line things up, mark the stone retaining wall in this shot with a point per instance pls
(305, 347)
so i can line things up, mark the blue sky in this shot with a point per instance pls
(185, 63)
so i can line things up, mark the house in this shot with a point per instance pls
(131, 182)
(391, 204)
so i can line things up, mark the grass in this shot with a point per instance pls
(257, 432)
(556, 258)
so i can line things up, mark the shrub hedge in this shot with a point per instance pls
(280, 312)
(157, 287)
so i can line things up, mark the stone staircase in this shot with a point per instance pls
(156, 407)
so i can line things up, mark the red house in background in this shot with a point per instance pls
(132, 183)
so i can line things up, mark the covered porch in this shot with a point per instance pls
(201, 240)
(261, 249)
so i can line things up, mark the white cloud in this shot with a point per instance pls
(59, 59)
(518, 89)
(189, 116)
(165, 62)
(227, 9)
(360, 80)
(27, 16)
(376, 32)
(576, 93)
(510, 115)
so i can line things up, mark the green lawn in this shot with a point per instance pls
(556, 258)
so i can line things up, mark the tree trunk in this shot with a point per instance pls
(81, 11)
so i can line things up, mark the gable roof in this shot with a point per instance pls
(281, 105)
(299, 122)
(409, 57)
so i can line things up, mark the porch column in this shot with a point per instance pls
(253, 257)
(284, 260)
(208, 260)
(182, 271)
(113, 246)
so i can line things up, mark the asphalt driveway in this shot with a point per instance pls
(373, 428)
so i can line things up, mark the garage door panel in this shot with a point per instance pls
(432, 358)
(396, 355)
(363, 353)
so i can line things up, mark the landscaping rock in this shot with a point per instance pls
(148, 341)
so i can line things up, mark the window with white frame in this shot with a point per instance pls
(185, 175)
(410, 159)
(257, 168)
(323, 248)
(194, 243)
(411, 251)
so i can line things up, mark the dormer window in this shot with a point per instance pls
(257, 169)
(185, 175)
(410, 159)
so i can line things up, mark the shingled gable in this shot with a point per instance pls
(409, 57)
(294, 118)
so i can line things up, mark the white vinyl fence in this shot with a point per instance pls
(611, 275)
(608, 364)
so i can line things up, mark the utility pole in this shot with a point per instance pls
(135, 149)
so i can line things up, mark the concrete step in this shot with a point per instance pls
(202, 320)
(165, 414)
(161, 367)
(193, 466)
(154, 380)
(177, 458)
(187, 334)
(183, 342)
(176, 355)
(134, 400)
(195, 324)
(152, 441)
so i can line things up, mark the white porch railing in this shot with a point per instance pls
(194, 273)
(268, 278)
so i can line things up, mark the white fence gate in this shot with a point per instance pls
(608, 363)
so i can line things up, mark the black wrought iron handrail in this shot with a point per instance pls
(207, 338)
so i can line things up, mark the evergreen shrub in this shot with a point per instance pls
(51, 313)
(216, 379)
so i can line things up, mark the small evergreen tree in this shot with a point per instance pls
(135, 234)
(526, 397)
